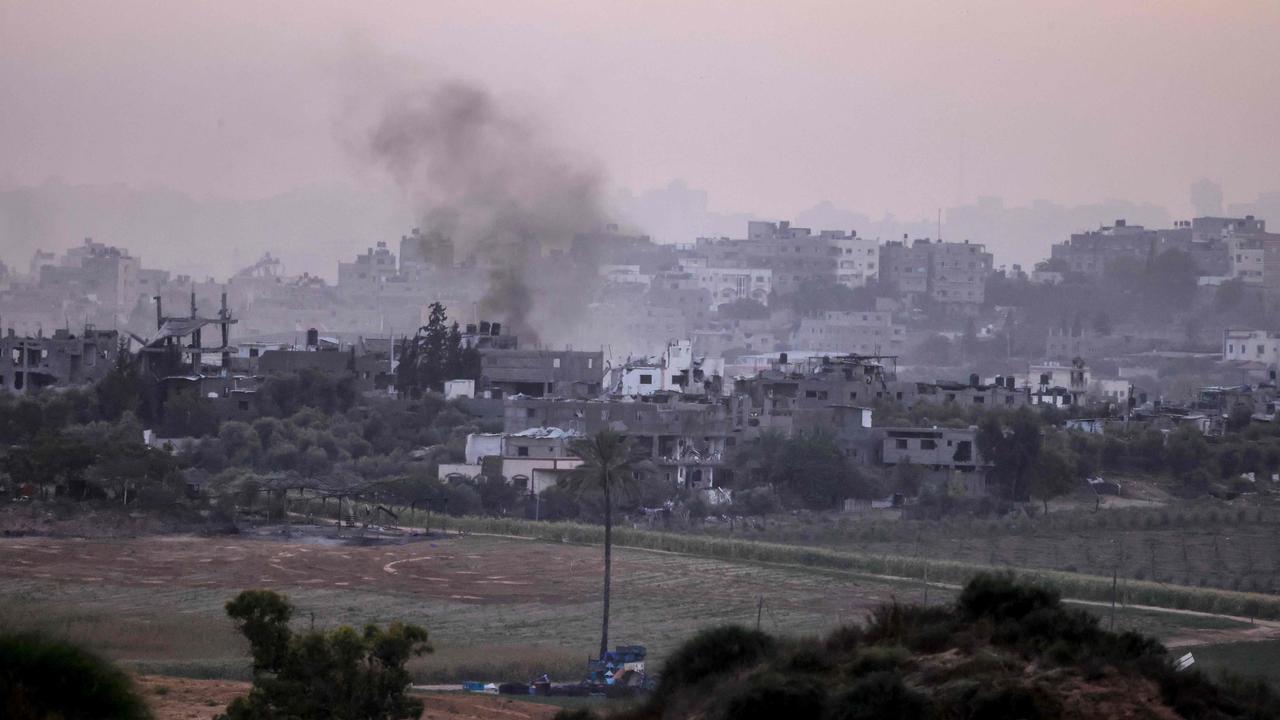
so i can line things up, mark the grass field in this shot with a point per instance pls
(1250, 659)
(918, 565)
(497, 608)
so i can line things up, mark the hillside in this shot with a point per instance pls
(1003, 650)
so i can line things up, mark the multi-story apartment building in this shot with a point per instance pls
(845, 332)
(795, 255)
(953, 273)
(368, 272)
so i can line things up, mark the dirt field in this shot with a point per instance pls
(496, 608)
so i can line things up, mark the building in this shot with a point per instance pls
(538, 373)
(951, 273)
(685, 440)
(726, 285)
(30, 363)
(948, 457)
(851, 332)
(675, 370)
(795, 255)
(369, 271)
(424, 252)
(1256, 346)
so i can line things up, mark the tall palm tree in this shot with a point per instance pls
(609, 465)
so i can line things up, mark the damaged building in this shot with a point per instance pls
(30, 363)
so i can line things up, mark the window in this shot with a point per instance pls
(530, 412)
(522, 451)
(979, 400)
(555, 362)
(591, 363)
(646, 379)
(900, 444)
(928, 445)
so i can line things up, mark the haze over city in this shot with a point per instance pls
(639, 360)
(876, 108)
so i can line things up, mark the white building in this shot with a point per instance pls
(857, 259)
(676, 369)
(1251, 346)
(1247, 259)
(729, 284)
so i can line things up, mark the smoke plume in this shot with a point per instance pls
(495, 185)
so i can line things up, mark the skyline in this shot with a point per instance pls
(871, 108)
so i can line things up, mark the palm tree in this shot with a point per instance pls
(609, 464)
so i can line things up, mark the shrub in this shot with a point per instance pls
(770, 695)
(1001, 597)
(45, 678)
(1014, 701)
(880, 696)
(714, 652)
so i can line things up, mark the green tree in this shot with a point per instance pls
(43, 679)
(1186, 450)
(342, 674)
(609, 466)
(1012, 449)
(1051, 475)
(121, 390)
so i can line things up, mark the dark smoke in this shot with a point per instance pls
(494, 184)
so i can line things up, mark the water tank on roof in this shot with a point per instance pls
(313, 338)
(484, 327)
(497, 328)
(471, 328)
(1009, 382)
(782, 358)
(973, 380)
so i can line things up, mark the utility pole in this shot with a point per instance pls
(1114, 574)
(759, 610)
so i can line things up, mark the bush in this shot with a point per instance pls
(880, 696)
(770, 695)
(45, 678)
(999, 596)
(714, 652)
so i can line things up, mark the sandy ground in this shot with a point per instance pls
(175, 698)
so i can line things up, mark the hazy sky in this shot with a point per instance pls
(877, 106)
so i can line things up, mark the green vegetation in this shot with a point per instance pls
(1072, 585)
(44, 678)
(340, 674)
(1005, 649)
(1259, 660)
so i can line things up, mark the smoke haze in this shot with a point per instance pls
(495, 185)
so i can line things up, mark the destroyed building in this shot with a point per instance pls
(30, 363)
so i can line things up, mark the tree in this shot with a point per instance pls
(120, 390)
(1185, 451)
(609, 465)
(45, 678)
(1051, 476)
(1013, 450)
(337, 674)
